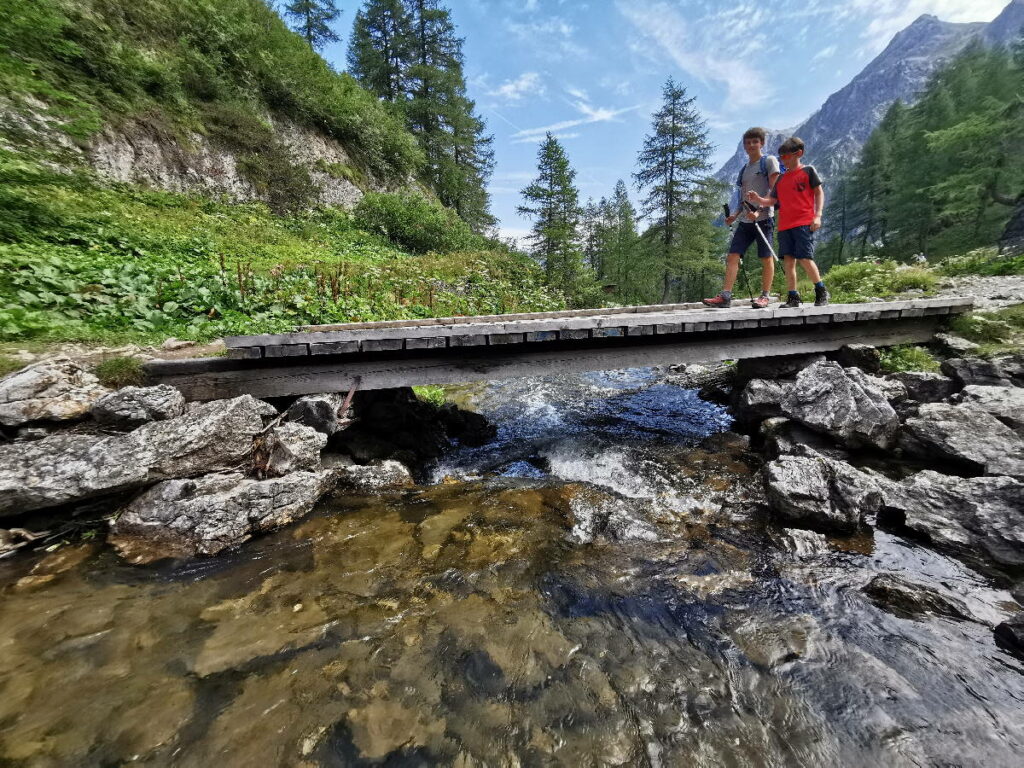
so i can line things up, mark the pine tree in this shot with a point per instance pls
(673, 169)
(312, 20)
(554, 201)
(378, 52)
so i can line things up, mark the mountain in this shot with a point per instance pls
(837, 131)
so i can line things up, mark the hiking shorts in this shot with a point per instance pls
(797, 242)
(745, 234)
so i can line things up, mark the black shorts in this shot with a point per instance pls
(745, 234)
(797, 242)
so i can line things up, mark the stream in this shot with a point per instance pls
(597, 586)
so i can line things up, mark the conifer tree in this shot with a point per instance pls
(673, 170)
(312, 20)
(554, 201)
(378, 52)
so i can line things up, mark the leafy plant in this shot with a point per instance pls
(413, 222)
(907, 357)
(430, 394)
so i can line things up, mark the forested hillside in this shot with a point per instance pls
(87, 258)
(943, 176)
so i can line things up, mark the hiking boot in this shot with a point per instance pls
(792, 302)
(761, 302)
(821, 296)
(719, 302)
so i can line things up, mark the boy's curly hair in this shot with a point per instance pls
(755, 133)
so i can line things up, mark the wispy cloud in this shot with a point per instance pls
(590, 114)
(513, 91)
(824, 53)
(552, 37)
(539, 137)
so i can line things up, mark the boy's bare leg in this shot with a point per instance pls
(732, 268)
(789, 267)
(811, 269)
(767, 274)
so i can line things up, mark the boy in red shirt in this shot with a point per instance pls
(799, 198)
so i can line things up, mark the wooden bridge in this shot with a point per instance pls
(338, 358)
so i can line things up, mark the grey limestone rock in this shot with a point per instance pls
(132, 407)
(967, 435)
(820, 493)
(1010, 634)
(972, 517)
(762, 399)
(785, 437)
(371, 478)
(289, 448)
(909, 598)
(775, 367)
(321, 412)
(844, 403)
(956, 345)
(972, 370)
(1005, 403)
(924, 386)
(862, 356)
(63, 467)
(202, 516)
(51, 390)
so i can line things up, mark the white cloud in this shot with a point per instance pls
(824, 53)
(550, 38)
(513, 91)
(590, 115)
(538, 138)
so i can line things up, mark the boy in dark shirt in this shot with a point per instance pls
(799, 198)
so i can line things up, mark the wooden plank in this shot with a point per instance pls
(720, 325)
(506, 338)
(470, 340)
(640, 330)
(889, 314)
(667, 328)
(601, 333)
(542, 336)
(245, 353)
(770, 322)
(817, 319)
(574, 334)
(382, 345)
(744, 324)
(334, 348)
(694, 327)
(286, 350)
(215, 378)
(791, 320)
(427, 342)
(844, 317)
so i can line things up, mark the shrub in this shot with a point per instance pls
(983, 261)
(117, 372)
(411, 221)
(860, 280)
(907, 357)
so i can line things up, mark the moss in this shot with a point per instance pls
(430, 394)
(343, 171)
(117, 372)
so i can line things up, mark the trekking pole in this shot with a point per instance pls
(764, 238)
(746, 280)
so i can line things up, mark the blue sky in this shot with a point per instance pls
(591, 71)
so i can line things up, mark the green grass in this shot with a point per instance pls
(9, 365)
(998, 333)
(907, 357)
(117, 372)
(430, 394)
(862, 280)
(983, 261)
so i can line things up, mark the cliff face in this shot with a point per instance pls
(837, 131)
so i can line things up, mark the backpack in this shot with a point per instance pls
(762, 170)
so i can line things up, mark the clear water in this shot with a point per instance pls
(595, 587)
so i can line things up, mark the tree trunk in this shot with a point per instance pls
(1012, 240)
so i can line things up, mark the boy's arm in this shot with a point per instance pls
(819, 206)
(753, 197)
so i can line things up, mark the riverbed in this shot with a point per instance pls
(597, 586)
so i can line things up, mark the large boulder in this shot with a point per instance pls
(321, 412)
(202, 516)
(964, 435)
(288, 448)
(1005, 403)
(785, 437)
(843, 403)
(968, 517)
(775, 367)
(1012, 366)
(63, 468)
(761, 399)
(924, 386)
(132, 407)
(820, 493)
(973, 370)
(862, 356)
(1010, 634)
(51, 390)
(373, 478)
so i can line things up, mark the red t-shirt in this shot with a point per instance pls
(795, 192)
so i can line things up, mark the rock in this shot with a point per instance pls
(467, 427)
(202, 516)
(777, 367)
(862, 356)
(1017, 592)
(1010, 635)
(785, 437)
(894, 391)
(972, 370)
(33, 433)
(63, 468)
(1005, 403)
(57, 390)
(820, 493)
(955, 345)
(372, 478)
(289, 448)
(908, 598)
(1012, 366)
(970, 517)
(923, 386)
(321, 412)
(172, 344)
(761, 399)
(843, 403)
(966, 435)
(131, 407)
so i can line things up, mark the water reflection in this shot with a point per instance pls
(616, 600)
